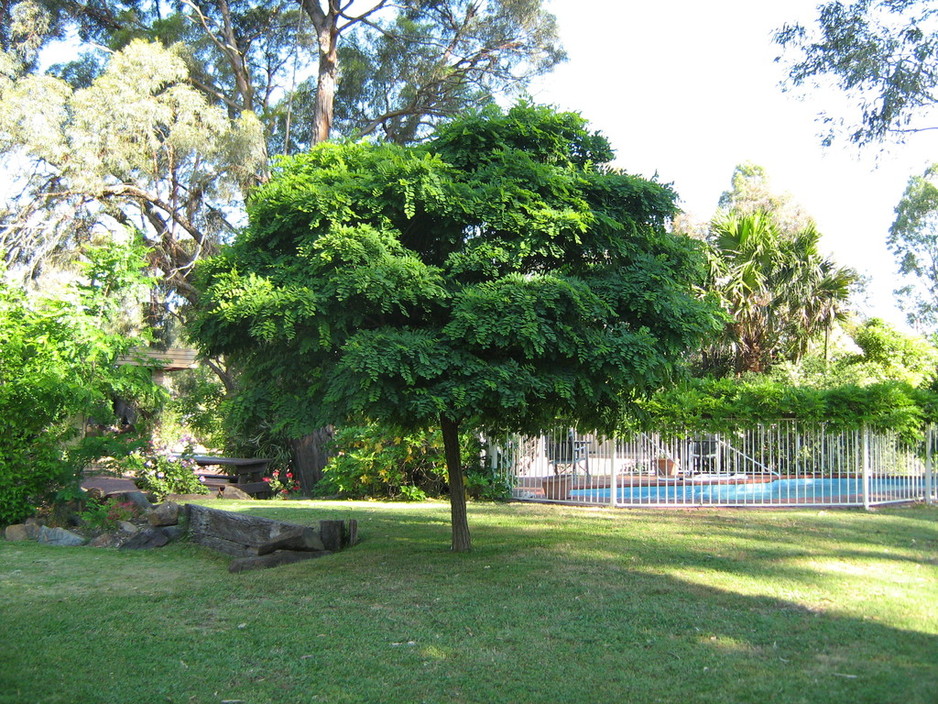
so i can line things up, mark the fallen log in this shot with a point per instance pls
(245, 536)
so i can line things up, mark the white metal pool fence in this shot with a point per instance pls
(779, 464)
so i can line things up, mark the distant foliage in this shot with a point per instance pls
(913, 240)
(880, 54)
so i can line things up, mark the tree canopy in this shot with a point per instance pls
(499, 276)
(137, 147)
(298, 64)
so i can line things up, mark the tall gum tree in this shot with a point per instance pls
(138, 147)
(499, 277)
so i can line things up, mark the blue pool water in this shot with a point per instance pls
(781, 491)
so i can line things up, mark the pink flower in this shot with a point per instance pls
(267, 479)
(289, 475)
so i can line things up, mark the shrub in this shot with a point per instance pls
(160, 472)
(715, 405)
(283, 484)
(107, 515)
(379, 461)
(57, 368)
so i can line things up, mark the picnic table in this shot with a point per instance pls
(247, 473)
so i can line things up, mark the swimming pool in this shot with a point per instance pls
(781, 491)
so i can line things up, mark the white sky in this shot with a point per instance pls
(690, 88)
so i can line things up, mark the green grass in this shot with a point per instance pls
(554, 604)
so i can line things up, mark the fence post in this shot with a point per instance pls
(866, 467)
(929, 436)
(613, 475)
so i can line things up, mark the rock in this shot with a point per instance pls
(137, 498)
(128, 527)
(59, 536)
(230, 491)
(146, 539)
(17, 531)
(33, 526)
(165, 514)
(105, 540)
(240, 535)
(173, 532)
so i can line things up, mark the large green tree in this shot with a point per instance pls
(881, 54)
(500, 276)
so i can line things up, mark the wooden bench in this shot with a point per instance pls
(246, 473)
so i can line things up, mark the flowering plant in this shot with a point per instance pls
(282, 483)
(162, 472)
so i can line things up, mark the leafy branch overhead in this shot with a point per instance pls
(881, 54)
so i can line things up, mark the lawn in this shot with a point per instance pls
(555, 604)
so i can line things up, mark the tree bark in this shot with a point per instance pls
(457, 486)
(310, 455)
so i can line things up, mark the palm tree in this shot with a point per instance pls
(778, 289)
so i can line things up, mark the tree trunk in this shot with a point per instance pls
(326, 22)
(325, 84)
(310, 455)
(457, 487)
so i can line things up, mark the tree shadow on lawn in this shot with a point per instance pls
(551, 606)
(761, 536)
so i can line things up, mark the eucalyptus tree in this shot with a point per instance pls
(499, 276)
(410, 64)
(377, 66)
(138, 147)
(750, 192)
(883, 55)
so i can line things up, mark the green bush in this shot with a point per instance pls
(715, 405)
(108, 514)
(377, 461)
(57, 370)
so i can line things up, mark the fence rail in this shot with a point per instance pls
(779, 464)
